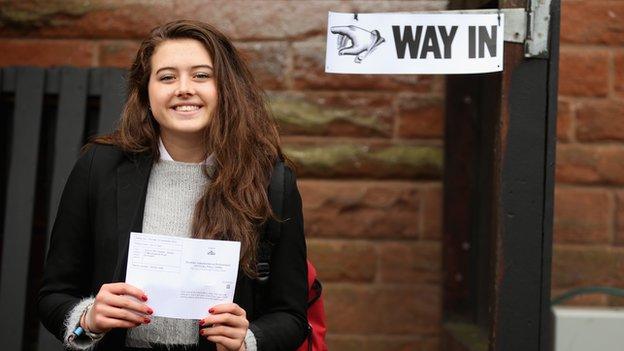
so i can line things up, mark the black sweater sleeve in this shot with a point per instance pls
(284, 324)
(65, 277)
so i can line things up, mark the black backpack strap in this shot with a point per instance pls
(276, 198)
(273, 229)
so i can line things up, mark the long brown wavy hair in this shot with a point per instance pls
(242, 135)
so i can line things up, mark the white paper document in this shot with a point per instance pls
(182, 277)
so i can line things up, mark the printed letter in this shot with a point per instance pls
(485, 39)
(407, 39)
(430, 44)
(471, 42)
(447, 39)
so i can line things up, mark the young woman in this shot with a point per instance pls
(192, 156)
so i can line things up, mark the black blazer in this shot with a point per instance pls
(103, 202)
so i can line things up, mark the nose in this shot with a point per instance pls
(185, 87)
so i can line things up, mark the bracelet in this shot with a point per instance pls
(87, 332)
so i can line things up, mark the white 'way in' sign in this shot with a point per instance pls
(429, 43)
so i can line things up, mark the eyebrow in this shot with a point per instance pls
(194, 67)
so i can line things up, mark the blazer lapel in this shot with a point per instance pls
(132, 180)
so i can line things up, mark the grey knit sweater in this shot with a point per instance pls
(173, 190)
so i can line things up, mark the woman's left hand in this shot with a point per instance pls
(226, 325)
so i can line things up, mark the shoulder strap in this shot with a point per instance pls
(276, 198)
(273, 229)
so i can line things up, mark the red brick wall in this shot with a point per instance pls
(369, 148)
(589, 197)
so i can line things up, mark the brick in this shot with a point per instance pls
(618, 64)
(601, 120)
(581, 300)
(410, 262)
(619, 218)
(266, 20)
(584, 72)
(333, 114)
(589, 164)
(420, 117)
(360, 209)
(582, 216)
(128, 19)
(241, 20)
(395, 6)
(268, 61)
(343, 260)
(309, 73)
(118, 53)
(118, 19)
(592, 22)
(565, 120)
(396, 310)
(585, 266)
(432, 212)
(46, 53)
(382, 343)
(615, 301)
(344, 159)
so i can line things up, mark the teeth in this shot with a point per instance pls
(187, 108)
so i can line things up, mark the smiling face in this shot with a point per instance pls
(182, 90)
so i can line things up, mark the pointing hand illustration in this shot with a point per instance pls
(362, 41)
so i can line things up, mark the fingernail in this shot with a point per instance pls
(201, 322)
(146, 320)
(144, 297)
(150, 311)
(211, 310)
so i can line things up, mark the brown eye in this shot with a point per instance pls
(202, 75)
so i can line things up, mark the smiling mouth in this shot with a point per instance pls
(186, 108)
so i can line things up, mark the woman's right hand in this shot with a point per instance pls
(112, 309)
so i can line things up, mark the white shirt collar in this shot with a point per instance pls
(165, 156)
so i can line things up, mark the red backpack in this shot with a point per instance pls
(316, 315)
(316, 311)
